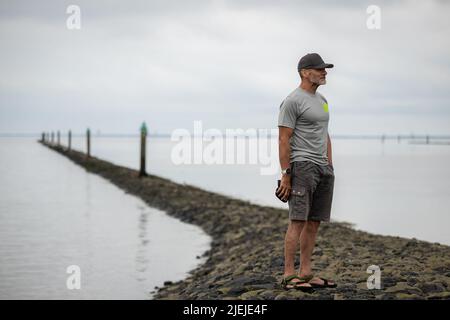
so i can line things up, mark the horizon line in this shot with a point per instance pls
(167, 135)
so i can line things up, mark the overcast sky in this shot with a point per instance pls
(227, 63)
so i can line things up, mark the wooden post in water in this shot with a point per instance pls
(88, 141)
(70, 141)
(142, 172)
(53, 136)
(58, 138)
(43, 137)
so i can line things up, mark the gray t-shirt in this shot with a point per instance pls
(307, 114)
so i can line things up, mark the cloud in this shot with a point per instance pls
(228, 63)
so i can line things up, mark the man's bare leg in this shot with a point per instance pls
(307, 243)
(290, 247)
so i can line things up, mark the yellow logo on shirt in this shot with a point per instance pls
(325, 107)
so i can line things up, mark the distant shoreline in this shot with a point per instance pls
(246, 256)
(409, 137)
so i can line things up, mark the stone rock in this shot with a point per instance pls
(266, 286)
(318, 252)
(388, 281)
(298, 294)
(251, 295)
(440, 295)
(281, 296)
(403, 287)
(236, 290)
(276, 262)
(224, 290)
(268, 295)
(241, 281)
(409, 274)
(431, 287)
(203, 295)
(362, 286)
(406, 296)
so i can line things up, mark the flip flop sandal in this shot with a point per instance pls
(326, 284)
(288, 284)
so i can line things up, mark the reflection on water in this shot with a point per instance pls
(141, 256)
(54, 214)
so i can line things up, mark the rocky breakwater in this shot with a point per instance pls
(246, 256)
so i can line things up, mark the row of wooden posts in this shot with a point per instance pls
(427, 138)
(49, 138)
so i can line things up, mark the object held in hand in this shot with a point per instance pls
(276, 191)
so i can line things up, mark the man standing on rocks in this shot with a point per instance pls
(307, 170)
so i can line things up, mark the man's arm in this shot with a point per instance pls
(329, 152)
(284, 151)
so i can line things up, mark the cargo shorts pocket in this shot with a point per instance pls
(299, 200)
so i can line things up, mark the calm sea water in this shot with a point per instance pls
(53, 214)
(389, 188)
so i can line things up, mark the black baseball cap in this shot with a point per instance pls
(312, 61)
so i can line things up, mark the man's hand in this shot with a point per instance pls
(285, 135)
(285, 187)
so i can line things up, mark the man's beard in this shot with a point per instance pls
(318, 81)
